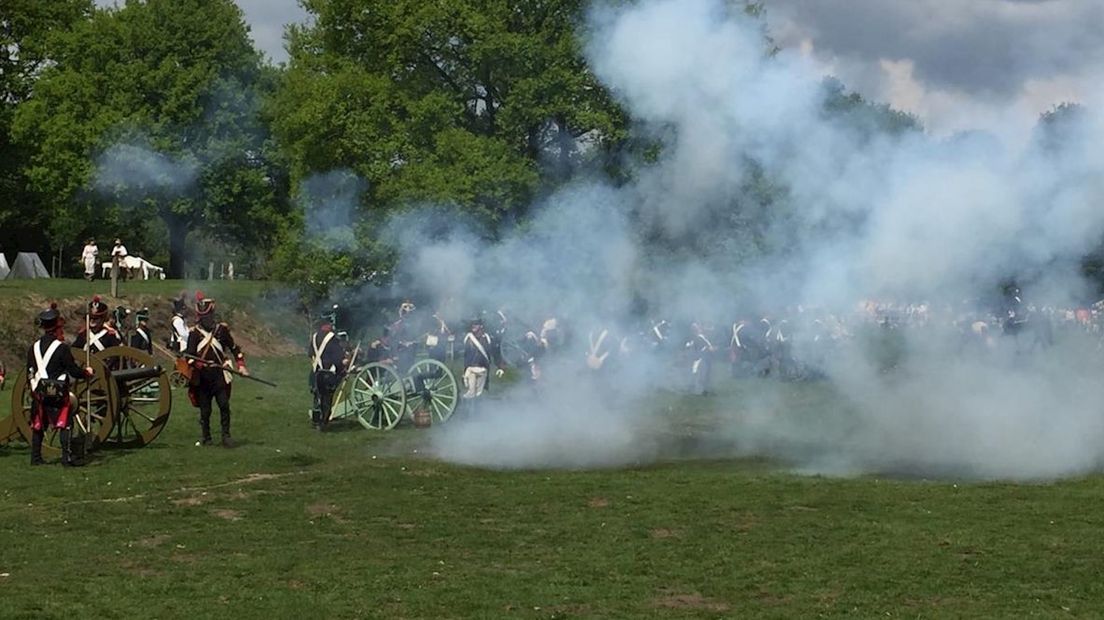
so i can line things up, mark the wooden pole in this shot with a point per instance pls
(115, 276)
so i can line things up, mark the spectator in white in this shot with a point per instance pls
(120, 252)
(88, 257)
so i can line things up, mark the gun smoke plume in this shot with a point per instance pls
(893, 217)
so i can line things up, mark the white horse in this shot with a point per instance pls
(134, 264)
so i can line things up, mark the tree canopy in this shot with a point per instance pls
(148, 121)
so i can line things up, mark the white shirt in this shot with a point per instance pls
(90, 252)
(181, 330)
(120, 251)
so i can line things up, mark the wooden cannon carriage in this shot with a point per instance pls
(379, 397)
(126, 403)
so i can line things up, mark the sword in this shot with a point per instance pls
(230, 370)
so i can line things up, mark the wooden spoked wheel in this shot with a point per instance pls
(94, 404)
(143, 405)
(7, 430)
(378, 398)
(431, 386)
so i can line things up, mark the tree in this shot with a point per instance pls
(480, 106)
(151, 112)
(26, 27)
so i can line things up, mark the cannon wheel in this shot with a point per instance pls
(144, 408)
(177, 380)
(378, 397)
(438, 392)
(100, 391)
(7, 430)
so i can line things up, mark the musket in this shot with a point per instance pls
(352, 360)
(87, 364)
(230, 370)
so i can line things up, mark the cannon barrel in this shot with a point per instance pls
(132, 375)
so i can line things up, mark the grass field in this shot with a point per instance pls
(293, 523)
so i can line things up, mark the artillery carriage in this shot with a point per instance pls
(379, 396)
(126, 403)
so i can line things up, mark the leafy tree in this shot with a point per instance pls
(478, 105)
(151, 112)
(26, 27)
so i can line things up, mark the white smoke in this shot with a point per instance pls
(906, 217)
(138, 168)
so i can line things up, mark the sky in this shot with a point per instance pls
(991, 65)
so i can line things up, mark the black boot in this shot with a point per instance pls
(36, 448)
(67, 460)
(204, 429)
(224, 423)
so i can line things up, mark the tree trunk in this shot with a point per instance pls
(178, 236)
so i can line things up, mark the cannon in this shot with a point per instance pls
(126, 403)
(379, 397)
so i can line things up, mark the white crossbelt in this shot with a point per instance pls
(469, 337)
(209, 341)
(736, 335)
(319, 349)
(42, 361)
(94, 340)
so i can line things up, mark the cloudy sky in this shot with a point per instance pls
(958, 64)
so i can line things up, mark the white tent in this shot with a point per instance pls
(4, 269)
(27, 266)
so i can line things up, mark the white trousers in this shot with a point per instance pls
(475, 379)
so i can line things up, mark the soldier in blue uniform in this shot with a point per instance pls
(327, 367)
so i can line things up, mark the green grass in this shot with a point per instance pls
(237, 291)
(362, 524)
(358, 524)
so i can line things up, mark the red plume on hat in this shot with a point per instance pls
(204, 305)
(97, 308)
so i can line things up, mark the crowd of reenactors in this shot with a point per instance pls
(796, 344)
(205, 353)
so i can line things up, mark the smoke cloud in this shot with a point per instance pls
(908, 218)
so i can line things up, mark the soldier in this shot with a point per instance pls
(379, 351)
(178, 338)
(118, 322)
(328, 367)
(100, 335)
(480, 351)
(404, 336)
(141, 338)
(50, 371)
(210, 348)
(701, 356)
(602, 345)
